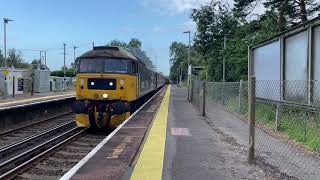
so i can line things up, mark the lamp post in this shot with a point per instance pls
(42, 58)
(188, 79)
(5, 22)
(180, 82)
(224, 59)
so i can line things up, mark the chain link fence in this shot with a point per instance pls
(287, 119)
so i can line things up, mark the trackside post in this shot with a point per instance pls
(251, 95)
(191, 91)
(204, 98)
(32, 86)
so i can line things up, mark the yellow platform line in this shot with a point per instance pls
(150, 162)
(34, 99)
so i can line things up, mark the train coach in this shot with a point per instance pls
(111, 83)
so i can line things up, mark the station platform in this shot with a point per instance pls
(37, 98)
(178, 144)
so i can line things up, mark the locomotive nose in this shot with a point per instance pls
(101, 88)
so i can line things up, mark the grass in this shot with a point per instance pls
(293, 122)
(300, 128)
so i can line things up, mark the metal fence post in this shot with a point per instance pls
(251, 95)
(191, 91)
(240, 93)
(188, 89)
(204, 99)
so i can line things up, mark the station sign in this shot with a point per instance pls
(6, 72)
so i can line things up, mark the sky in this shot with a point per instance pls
(46, 25)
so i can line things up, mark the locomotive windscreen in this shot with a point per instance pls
(104, 65)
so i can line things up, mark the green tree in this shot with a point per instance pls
(242, 8)
(118, 43)
(178, 59)
(214, 21)
(15, 59)
(296, 11)
(60, 72)
(135, 43)
(287, 12)
(1, 59)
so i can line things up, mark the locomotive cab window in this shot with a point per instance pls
(91, 66)
(104, 66)
(134, 67)
(116, 65)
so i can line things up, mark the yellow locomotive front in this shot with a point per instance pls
(106, 87)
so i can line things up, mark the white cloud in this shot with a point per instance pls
(173, 7)
(156, 29)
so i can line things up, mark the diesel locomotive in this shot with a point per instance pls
(111, 83)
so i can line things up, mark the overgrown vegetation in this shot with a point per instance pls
(241, 27)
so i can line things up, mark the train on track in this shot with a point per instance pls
(111, 83)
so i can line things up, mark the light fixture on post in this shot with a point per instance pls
(6, 72)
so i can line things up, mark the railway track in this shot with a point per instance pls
(19, 156)
(61, 161)
(16, 134)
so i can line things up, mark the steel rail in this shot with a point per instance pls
(29, 154)
(25, 165)
(5, 150)
(32, 124)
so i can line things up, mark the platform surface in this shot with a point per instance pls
(21, 100)
(182, 145)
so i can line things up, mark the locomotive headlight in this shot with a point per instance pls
(105, 96)
(121, 82)
(110, 83)
(92, 83)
